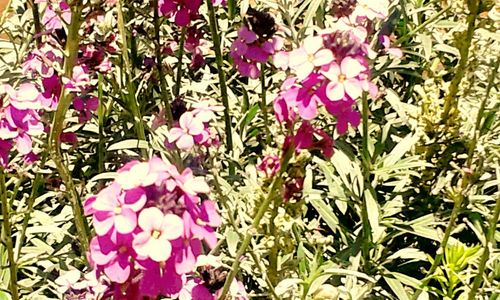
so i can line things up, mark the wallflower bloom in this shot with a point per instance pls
(182, 11)
(249, 50)
(184, 135)
(310, 55)
(117, 210)
(158, 231)
(344, 79)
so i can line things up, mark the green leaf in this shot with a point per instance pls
(129, 144)
(397, 288)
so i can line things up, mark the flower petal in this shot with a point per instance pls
(172, 227)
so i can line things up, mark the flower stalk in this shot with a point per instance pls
(180, 54)
(275, 187)
(163, 84)
(366, 159)
(7, 236)
(263, 104)
(132, 101)
(222, 80)
(66, 98)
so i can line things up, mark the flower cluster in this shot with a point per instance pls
(330, 69)
(151, 225)
(249, 50)
(193, 127)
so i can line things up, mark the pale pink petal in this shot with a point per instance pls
(141, 243)
(172, 227)
(24, 144)
(297, 57)
(150, 219)
(353, 88)
(333, 72)
(195, 185)
(335, 91)
(323, 57)
(312, 44)
(351, 67)
(116, 273)
(174, 134)
(126, 221)
(159, 250)
(196, 127)
(185, 142)
(185, 120)
(103, 221)
(304, 70)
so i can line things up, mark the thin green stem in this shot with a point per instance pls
(159, 66)
(233, 223)
(273, 190)
(444, 243)
(36, 21)
(367, 166)
(180, 54)
(222, 80)
(100, 115)
(7, 237)
(132, 101)
(263, 103)
(488, 244)
(231, 8)
(54, 144)
(450, 109)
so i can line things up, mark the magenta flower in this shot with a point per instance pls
(344, 113)
(54, 16)
(310, 55)
(189, 127)
(85, 105)
(269, 165)
(113, 253)
(247, 51)
(117, 210)
(182, 11)
(80, 80)
(344, 79)
(5, 147)
(158, 231)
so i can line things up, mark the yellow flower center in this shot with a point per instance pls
(155, 234)
(342, 78)
(118, 210)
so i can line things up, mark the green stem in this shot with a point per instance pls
(159, 58)
(494, 218)
(367, 166)
(180, 54)
(231, 8)
(100, 115)
(233, 223)
(132, 101)
(444, 243)
(36, 21)
(7, 236)
(263, 103)
(451, 100)
(489, 244)
(66, 98)
(222, 80)
(275, 188)
(273, 252)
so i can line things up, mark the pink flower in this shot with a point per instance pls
(189, 127)
(80, 80)
(158, 231)
(182, 11)
(54, 16)
(310, 55)
(344, 79)
(117, 210)
(26, 96)
(269, 165)
(85, 105)
(113, 253)
(386, 42)
(248, 50)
